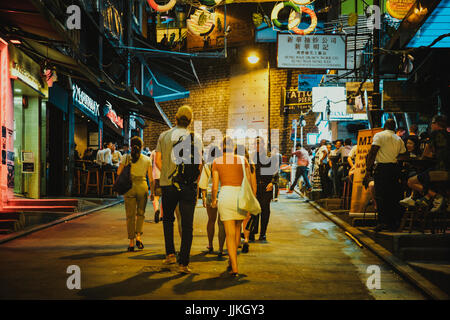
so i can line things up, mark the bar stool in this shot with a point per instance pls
(96, 175)
(105, 184)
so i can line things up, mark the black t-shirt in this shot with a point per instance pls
(440, 141)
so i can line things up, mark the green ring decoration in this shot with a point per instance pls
(278, 7)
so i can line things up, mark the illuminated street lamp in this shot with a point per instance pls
(252, 58)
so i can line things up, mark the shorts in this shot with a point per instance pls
(424, 177)
(158, 191)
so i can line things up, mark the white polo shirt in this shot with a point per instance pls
(390, 145)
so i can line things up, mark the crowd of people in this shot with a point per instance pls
(180, 171)
(400, 164)
(177, 178)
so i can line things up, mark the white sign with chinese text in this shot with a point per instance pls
(311, 51)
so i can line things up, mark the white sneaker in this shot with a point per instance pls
(408, 202)
(438, 202)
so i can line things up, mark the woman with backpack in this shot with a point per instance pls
(136, 198)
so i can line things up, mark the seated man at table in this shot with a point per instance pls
(438, 148)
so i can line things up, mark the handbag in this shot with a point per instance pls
(246, 199)
(123, 183)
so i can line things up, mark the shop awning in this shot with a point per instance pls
(438, 23)
(162, 88)
(23, 14)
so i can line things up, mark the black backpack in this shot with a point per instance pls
(186, 172)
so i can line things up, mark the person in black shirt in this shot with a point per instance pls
(438, 148)
(266, 166)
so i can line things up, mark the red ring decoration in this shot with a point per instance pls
(313, 24)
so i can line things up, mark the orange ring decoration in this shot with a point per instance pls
(163, 8)
(313, 24)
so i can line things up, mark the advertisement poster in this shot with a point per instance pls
(361, 195)
(307, 81)
(358, 104)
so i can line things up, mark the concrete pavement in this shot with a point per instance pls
(306, 257)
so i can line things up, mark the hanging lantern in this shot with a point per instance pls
(163, 8)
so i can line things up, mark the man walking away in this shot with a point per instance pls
(386, 147)
(276, 185)
(266, 175)
(173, 193)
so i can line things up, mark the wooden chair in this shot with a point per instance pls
(95, 172)
(105, 184)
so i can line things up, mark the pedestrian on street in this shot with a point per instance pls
(276, 184)
(382, 159)
(156, 188)
(227, 170)
(205, 185)
(266, 175)
(136, 198)
(173, 193)
(302, 168)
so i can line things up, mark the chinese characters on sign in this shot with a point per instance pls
(311, 51)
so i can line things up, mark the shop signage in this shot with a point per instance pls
(27, 162)
(295, 101)
(399, 8)
(360, 195)
(112, 115)
(82, 99)
(312, 51)
(18, 71)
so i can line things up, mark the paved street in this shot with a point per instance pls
(306, 257)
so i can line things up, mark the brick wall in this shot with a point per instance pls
(210, 102)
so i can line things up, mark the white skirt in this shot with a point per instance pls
(227, 204)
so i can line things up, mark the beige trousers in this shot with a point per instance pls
(135, 203)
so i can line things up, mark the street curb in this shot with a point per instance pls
(53, 223)
(401, 267)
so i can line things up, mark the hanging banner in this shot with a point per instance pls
(361, 195)
(312, 51)
(359, 104)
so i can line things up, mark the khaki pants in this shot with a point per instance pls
(135, 203)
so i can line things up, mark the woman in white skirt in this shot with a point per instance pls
(227, 170)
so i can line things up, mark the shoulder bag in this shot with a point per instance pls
(246, 199)
(123, 183)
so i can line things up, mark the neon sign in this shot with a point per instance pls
(112, 115)
(84, 100)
